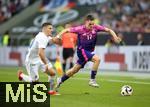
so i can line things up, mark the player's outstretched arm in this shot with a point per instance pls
(115, 37)
(59, 35)
(56, 40)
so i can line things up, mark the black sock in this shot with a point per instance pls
(64, 78)
(93, 74)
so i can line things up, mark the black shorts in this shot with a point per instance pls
(68, 52)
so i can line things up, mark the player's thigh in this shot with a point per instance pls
(32, 70)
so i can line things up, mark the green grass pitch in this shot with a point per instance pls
(77, 93)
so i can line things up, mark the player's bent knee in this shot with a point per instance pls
(96, 59)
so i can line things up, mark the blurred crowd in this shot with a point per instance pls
(126, 15)
(9, 8)
(120, 15)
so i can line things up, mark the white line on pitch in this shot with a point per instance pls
(135, 82)
(110, 80)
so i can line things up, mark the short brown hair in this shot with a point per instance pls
(46, 24)
(89, 17)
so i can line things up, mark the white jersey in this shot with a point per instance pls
(40, 41)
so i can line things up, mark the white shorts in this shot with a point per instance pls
(33, 69)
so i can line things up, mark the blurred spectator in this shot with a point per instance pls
(9, 8)
(122, 15)
(126, 15)
(140, 39)
(2, 17)
(6, 39)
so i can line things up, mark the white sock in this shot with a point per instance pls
(51, 80)
(26, 78)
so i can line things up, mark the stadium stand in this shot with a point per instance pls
(8, 8)
(122, 15)
(128, 17)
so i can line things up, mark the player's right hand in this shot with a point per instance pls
(117, 40)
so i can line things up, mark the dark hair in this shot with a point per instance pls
(46, 24)
(89, 17)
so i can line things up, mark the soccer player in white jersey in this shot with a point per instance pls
(36, 59)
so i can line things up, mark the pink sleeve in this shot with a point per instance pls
(76, 29)
(99, 28)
